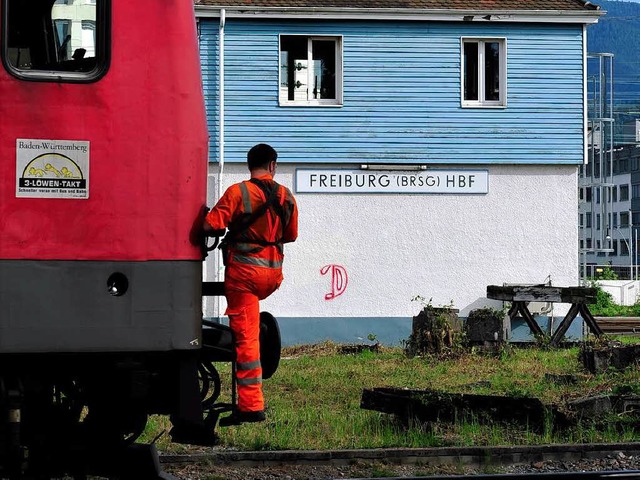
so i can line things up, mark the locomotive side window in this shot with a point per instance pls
(56, 40)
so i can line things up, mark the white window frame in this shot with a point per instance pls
(481, 102)
(326, 102)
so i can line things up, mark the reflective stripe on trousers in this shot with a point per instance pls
(244, 318)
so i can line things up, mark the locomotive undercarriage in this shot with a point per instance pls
(77, 414)
(80, 414)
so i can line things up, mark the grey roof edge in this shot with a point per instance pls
(346, 13)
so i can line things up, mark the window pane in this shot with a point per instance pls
(293, 67)
(63, 35)
(89, 37)
(624, 219)
(624, 192)
(492, 71)
(624, 250)
(310, 70)
(471, 71)
(324, 69)
(60, 36)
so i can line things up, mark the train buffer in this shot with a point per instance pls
(521, 295)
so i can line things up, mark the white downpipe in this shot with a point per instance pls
(582, 255)
(221, 96)
(219, 268)
(585, 106)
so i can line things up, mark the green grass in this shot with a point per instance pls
(313, 400)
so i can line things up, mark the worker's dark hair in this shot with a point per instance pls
(260, 156)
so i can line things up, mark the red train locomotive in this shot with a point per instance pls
(103, 173)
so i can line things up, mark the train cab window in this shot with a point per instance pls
(56, 40)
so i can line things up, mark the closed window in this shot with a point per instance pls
(484, 72)
(310, 70)
(624, 249)
(624, 219)
(624, 165)
(624, 192)
(57, 41)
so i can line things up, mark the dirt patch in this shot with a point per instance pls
(314, 350)
(329, 348)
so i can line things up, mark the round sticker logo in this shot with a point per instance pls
(52, 165)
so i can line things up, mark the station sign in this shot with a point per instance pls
(429, 181)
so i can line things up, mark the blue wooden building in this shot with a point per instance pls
(433, 146)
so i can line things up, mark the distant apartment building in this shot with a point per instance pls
(609, 208)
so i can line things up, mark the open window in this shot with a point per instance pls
(56, 40)
(484, 72)
(310, 70)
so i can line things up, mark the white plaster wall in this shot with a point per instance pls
(445, 247)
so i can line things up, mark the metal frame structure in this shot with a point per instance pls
(597, 173)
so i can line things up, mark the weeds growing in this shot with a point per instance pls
(314, 400)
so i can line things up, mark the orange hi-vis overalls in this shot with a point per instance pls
(253, 272)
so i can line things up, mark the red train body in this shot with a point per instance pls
(103, 161)
(144, 126)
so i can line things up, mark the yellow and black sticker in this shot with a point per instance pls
(52, 169)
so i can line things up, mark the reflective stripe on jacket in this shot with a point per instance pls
(256, 246)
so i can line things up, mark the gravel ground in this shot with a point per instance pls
(614, 461)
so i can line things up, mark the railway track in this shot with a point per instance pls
(563, 461)
(619, 325)
(534, 476)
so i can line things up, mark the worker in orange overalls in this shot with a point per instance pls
(261, 216)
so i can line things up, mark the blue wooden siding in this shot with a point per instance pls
(209, 61)
(401, 100)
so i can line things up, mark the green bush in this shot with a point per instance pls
(606, 273)
(606, 307)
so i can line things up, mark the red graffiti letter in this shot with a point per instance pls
(339, 280)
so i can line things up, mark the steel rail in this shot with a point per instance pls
(612, 475)
(479, 457)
